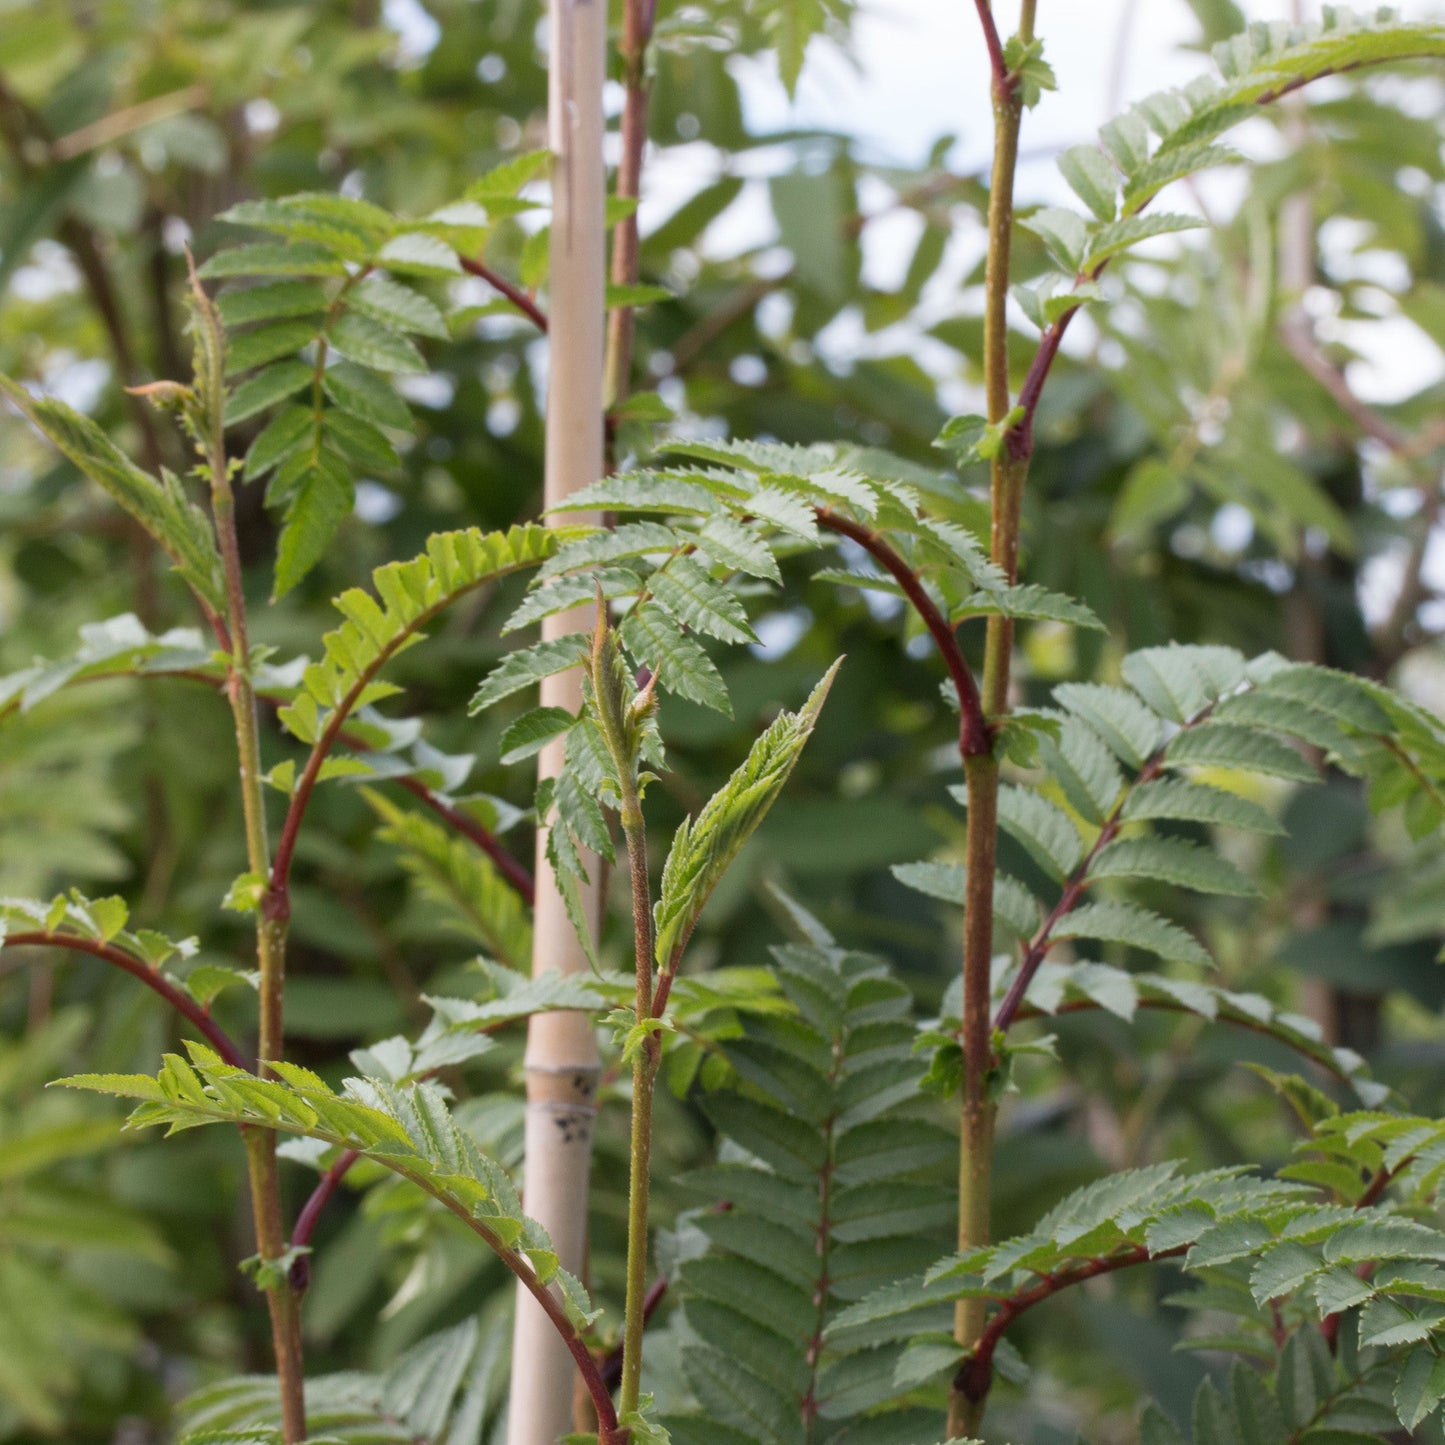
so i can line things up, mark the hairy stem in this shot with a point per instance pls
(975, 1158)
(637, 22)
(1009, 470)
(644, 1075)
(612, 1363)
(975, 1172)
(281, 1301)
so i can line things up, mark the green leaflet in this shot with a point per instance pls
(1171, 860)
(399, 307)
(179, 527)
(407, 1130)
(1028, 603)
(755, 1300)
(521, 669)
(1175, 800)
(1180, 682)
(1016, 910)
(408, 595)
(1044, 829)
(1126, 923)
(698, 602)
(1125, 723)
(450, 871)
(446, 1387)
(1083, 766)
(319, 499)
(704, 847)
(652, 638)
(1233, 746)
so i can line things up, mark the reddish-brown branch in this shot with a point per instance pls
(664, 988)
(974, 736)
(1380, 1183)
(1027, 1012)
(1384, 1176)
(153, 979)
(325, 1188)
(996, 63)
(1042, 941)
(513, 871)
(277, 903)
(638, 17)
(611, 1366)
(609, 1433)
(975, 1374)
(514, 293)
(1021, 436)
(305, 1225)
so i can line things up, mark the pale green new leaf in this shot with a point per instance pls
(704, 847)
(409, 1131)
(653, 639)
(160, 506)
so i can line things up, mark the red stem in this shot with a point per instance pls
(305, 1226)
(975, 1374)
(996, 62)
(974, 737)
(1042, 941)
(311, 1210)
(514, 872)
(514, 293)
(277, 904)
(153, 979)
(1021, 435)
(611, 1367)
(1029, 1012)
(1330, 1325)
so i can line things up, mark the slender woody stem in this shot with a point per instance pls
(1009, 472)
(975, 1375)
(974, 738)
(644, 1075)
(153, 979)
(281, 1300)
(1039, 945)
(514, 293)
(612, 1362)
(637, 22)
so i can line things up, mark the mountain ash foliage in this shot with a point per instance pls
(824, 1277)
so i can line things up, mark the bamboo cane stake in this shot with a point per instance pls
(562, 1062)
